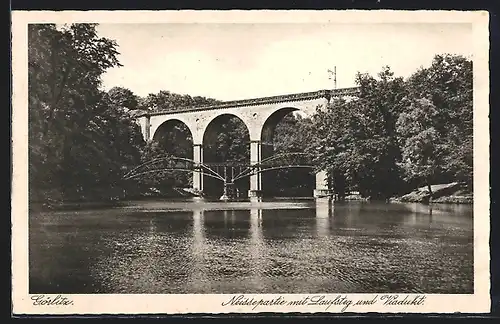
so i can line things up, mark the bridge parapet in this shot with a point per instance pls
(327, 94)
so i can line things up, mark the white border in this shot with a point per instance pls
(479, 302)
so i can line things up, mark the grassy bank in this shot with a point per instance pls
(450, 193)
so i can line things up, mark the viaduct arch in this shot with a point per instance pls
(260, 115)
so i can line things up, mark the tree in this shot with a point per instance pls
(163, 181)
(378, 107)
(166, 100)
(79, 143)
(123, 98)
(291, 135)
(334, 130)
(356, 141)
(447, 83)
(421, 149)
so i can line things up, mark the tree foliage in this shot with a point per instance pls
(422, 156)
(418, 130)
(166, 100)
(291, 134)
(162, 182)
(123, 98)
(447, 83)
(356, 140)
(79, 143)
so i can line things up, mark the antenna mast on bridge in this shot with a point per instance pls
(334, 73)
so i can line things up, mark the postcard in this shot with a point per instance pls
(175, 162)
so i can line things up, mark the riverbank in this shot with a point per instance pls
(449, 193)
(73, 205)
(49, 201)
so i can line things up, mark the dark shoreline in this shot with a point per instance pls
(72, 205)
(78, 205)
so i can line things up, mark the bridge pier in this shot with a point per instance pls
(198, 172)
(255, 192)
(322, 191)
(145, 124)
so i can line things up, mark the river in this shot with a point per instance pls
(284, 246)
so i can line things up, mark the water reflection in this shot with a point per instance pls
(280, 224)
(161, 247)
(197, 271)
(256, 248)
(232, 224)
(323, 214)
(323, 209)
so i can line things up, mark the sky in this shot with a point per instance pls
(238, 61)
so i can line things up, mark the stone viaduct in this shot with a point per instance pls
(260, 115)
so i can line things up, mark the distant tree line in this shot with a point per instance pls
(396, 135)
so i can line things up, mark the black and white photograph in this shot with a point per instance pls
(251, 162)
